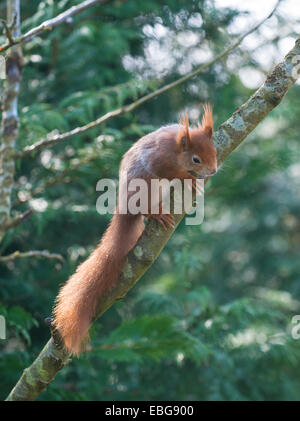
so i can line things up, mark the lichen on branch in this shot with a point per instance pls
(228, 137)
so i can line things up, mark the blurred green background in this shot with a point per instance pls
(211, 319)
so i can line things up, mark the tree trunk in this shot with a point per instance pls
(9, 128)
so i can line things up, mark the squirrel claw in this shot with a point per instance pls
(196, 187)
(165, 220)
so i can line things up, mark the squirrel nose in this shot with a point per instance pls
(213, 171)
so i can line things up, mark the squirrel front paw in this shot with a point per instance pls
(165, 220)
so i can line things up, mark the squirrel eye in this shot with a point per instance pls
(196, 160)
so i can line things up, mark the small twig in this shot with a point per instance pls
(32, 253)
(51, 140)
(8, 31)
(48, 25)
(18, 219)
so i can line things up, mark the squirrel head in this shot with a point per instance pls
(197, 153)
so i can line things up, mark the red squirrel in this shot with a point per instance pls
(175, 151)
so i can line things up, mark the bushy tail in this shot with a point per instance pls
(76, 303)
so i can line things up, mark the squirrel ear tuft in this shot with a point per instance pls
(183, 136)
(207, 120)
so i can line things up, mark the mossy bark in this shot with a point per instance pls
(228, 137)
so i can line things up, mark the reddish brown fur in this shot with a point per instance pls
(166, 153)
(77, 301)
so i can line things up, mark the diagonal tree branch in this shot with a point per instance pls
(230, 134)
(48, 25)
(51, 140)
